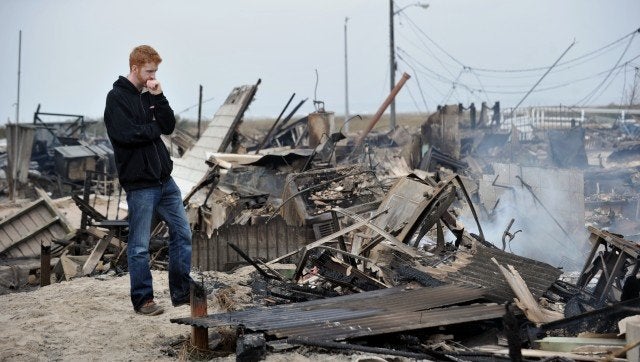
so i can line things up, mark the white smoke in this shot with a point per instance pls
(552, 221)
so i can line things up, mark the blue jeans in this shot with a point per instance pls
(165, 200)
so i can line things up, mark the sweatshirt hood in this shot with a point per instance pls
(124, 83)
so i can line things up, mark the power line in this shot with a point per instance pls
(490, 90)
(631, 34)
(559, 68)
(555, 68)
(608, 84)
(419, 87)
(416, 72)
(432, 41)
(453, 88)
(481, 85)
(563, 63)
(561, 85)
(413, 99)
(624, 85)
(436, 75)
(441, 78)
(195, 105)
(427, 51)
(501, 86)
(588, 97)
(541, 78)
(427, 48)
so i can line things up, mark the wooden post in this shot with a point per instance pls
(45, 263)
(199, 335)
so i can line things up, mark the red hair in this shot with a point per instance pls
(142, 55)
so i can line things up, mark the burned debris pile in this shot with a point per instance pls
(463, 240)
(399, 226)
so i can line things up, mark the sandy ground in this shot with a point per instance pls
(87, 319)
(91, 319)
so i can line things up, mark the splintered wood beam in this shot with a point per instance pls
(525, 300)
(96, 254)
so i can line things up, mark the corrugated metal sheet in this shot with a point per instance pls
(75, 151)
(262, 240)
(394, 322)
(477, 268)
(21, 234)
(100, 150)
(363, 314)
(190, 168)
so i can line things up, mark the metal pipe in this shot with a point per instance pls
(382, 108)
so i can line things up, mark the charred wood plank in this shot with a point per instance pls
(343, 274)
(45, 263)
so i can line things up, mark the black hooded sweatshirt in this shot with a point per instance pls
(134, 123)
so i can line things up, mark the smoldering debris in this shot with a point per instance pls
(403, 242)
(417, 230)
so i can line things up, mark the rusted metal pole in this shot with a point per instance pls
(382, 108)
(45, 263)
(199, 335)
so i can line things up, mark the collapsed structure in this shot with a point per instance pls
(404, 235)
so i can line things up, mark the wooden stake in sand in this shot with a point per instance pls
(199, 335)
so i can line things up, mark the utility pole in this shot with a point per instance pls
(392, 56)
(19, 61)
(199, 111)
(346, 79)
(392, 67)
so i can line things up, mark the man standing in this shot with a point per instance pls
(136, 114)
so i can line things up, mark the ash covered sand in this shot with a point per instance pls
(86, 318)
(91, 318)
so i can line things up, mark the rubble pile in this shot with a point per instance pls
(460, 241)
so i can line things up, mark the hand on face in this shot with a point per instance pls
(153, 86)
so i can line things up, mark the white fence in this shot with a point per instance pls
(527, 120)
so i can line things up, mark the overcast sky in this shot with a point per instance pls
(456, 51)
